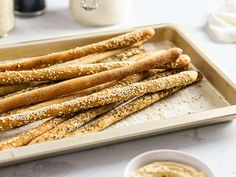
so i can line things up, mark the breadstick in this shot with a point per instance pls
(93, 58)
(31, 136)
(126, 81)
(156, 74)
(125, 55)
(10, 95)
(151, 74)
(112, 55)
(66, 128)
(61, 99)
(73, 123)
(72, 71)
(78, 121)
(117, 55)
(33, 87)
(70, 125)
(139, 56)
(104, 87)
(4, 90)
(52, 130)
(121, 41)
(43, 94)
(123, 111)
(57, 73)
(98, 99)
(181, 62)
(33, 133)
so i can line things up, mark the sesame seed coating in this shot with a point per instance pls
(122, 112)
(73, 123)
(68, 126)
(57, 73)
(62, 130)
(155, 60)
(97, 99)
(105, 82)
(124, 56)
(127, 109)
(33, 133)
(121, 41)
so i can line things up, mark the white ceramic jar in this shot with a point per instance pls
(100, 12)
(6, 17)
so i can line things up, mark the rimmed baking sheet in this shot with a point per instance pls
(210, 101)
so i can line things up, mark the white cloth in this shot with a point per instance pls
(222, 23)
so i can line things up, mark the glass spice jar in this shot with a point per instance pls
(29, 8)
(6, 17)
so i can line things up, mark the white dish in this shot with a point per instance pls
(166, 155)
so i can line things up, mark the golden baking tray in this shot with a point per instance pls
(208, 102)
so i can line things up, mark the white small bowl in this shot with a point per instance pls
(166, 155)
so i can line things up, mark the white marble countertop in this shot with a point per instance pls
(213, 144)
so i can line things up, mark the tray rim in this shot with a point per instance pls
(21, 154)
(36, 151)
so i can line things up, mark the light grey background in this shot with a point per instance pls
(214, 144)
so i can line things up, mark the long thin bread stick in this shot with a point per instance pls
(122, 112)
(33, 133)
(139, 56)
(57, 128)
(111, 55)
(121, 41)
(79, 120)
(122, 56)
(152, 74)
(72, 71)
(4, 90)
(27, 89)
(93, 58)
(98, 99)
(73, 123)
(78, 84)
(125, 110)
(104, 87)
(125, 55)
(26, 137)
(58, 73)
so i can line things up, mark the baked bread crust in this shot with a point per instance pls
(98, 99)
(121, 41)
(155, 60)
